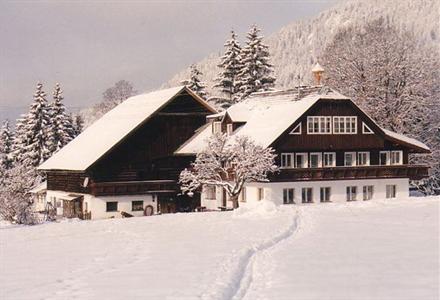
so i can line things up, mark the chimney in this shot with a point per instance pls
(317, 73)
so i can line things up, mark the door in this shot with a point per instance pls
(224, 198)
(167, 204)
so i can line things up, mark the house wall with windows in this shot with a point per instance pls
(278, 192)
(105, 207)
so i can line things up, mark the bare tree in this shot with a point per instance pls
(121, 91)
(229, 163)
(392, 77)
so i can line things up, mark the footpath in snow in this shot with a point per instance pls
(371, 250)
(381, 250)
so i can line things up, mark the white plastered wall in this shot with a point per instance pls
(97, 205)
(273, 191)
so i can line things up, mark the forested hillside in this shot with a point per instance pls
(297, 46)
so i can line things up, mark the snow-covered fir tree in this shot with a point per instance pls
(19, 140)
(6, 140)
(256, 73)
(195, 83)
(229, 163)
(78, 124)
(230, 66)
(32, 133)
(60, 129)
(391, 76)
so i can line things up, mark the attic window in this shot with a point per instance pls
(217, 127)
(366, 129)
(296, 130)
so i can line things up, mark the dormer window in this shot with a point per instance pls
(366, 129)
(217, 127)
(345, 125)
(319, 125)
(229, 128)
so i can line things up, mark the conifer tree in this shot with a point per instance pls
(256, 73)
(19, 140)
(61, 129)
(230, 65)
(34, 137)
(5, 145)
(195, 83)
(78, 124)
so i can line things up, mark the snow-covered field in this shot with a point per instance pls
(372, 250)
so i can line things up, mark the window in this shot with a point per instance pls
(296, 130)
(351, 193)
(363, 158)
(325, 193)
(315, 160)
(301, 160)
(112, 206)
(137, 205)
(217, 127)
(243, 195)
(286, 160)
(345, 125)
(384, 157)
(396, 157)
(367, 191)
(229, 129)
(307, 195)
(391, 191)
(260, 194)
(366, 129)
(319, 125)
(329, 159)
(210, 192)
(288, 196)
(350, 159)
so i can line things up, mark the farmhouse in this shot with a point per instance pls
(328, 150)
(124, 162)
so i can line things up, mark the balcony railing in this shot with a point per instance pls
(133, 187)
(413, 172)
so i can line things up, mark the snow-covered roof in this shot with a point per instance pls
(405, 139)
(111, 128)
(41, 187)
(266, 115)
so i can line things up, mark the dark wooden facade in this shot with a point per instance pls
(143, 162)
(341, 143)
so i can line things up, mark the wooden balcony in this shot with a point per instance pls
(413, 172)
(133, 187)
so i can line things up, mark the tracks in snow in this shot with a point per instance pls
(241, 278)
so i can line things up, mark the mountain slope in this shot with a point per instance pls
(296, 47)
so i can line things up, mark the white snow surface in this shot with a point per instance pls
(365, 250)
(110, 129)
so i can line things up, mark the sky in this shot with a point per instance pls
(87, 46)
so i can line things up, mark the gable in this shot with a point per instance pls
(112, 128)
(368, 134)
(343, 110)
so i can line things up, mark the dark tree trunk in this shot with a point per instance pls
(234, 200)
